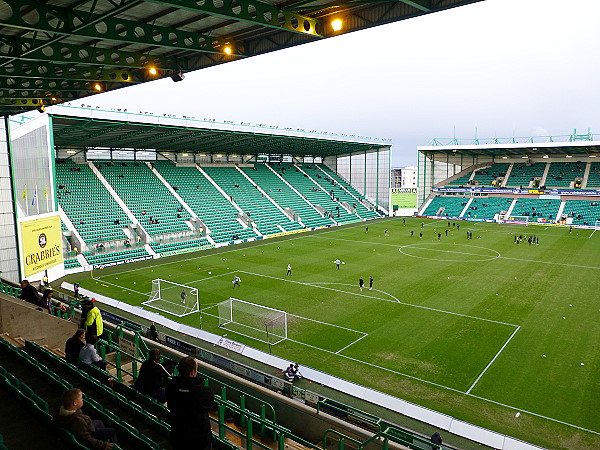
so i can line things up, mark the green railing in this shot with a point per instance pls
(384, 432)
(9, 290)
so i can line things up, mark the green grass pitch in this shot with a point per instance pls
(479, 329)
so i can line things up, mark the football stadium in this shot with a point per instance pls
(324, 309)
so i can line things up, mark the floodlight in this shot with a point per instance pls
(227, 50)
(97, 87)
(152, 71)
(179, 76)
(336, 24)
(568, 156)
(592, 156)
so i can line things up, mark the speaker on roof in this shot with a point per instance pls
(179, 76)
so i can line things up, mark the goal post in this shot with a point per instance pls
(597, 225)
(255, 321)
(173, 298)
(521, 220)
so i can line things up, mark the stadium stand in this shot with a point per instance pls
(561, 174)
(351, 195)
(583, 212)
(523, 173)
(461, 181)
(537, 209)
(111, 257)
(76, 184)
(267, 217)
(305, 185)
(285, 196)
(593, 181)
(208, 203)
(488, 175)
(133, 182)
(488, 207)
(446, 206)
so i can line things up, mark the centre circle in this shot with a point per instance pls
(440, 251)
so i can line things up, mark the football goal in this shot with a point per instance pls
(258, 322)
(522, 220)
(596, 228)
(173, 298)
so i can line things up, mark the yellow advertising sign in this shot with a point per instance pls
(41, 242)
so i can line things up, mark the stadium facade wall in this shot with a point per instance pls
(368, 172)
(19, 318)
(8, 232)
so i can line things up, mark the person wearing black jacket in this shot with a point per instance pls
(151, 376)
(29, 293)
(189, 402)
(74, 344)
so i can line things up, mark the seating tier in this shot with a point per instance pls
(453, 206)
(209, 204)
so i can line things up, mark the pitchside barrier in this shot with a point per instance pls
(437, 419)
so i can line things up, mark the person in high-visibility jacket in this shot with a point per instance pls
(92, 323)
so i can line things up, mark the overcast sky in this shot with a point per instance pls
(505, 67)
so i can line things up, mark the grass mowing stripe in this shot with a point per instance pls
(383, 299)
(492, 361)
(351, 343)
(535, 296)
(550, 262)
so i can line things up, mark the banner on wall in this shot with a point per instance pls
(41, 244)
(404, 198)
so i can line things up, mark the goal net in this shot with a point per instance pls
(173, 298)
(597, 225)
(522, 220)
(254, 321)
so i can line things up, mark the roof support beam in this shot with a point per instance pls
(48, 84)
(70, 22)
(421, 5)
(64, 71)
(52, 96)
(81, 54)
(23, 102)
(253, 11)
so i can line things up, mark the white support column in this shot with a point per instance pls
(546, 170)
(171, 190)
(586, 175)
(462, 214)
(510, 167)
(120, 202)
(510, 210)
(561, 208)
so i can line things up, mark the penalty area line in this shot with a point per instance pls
(351, 343)
(493, 359)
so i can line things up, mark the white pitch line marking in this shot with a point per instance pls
(492, 361)
(329, 324)
(348, 284)
(549, 262)
(383, 299)
(458, 253)
(379, 367)
(351, 343)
